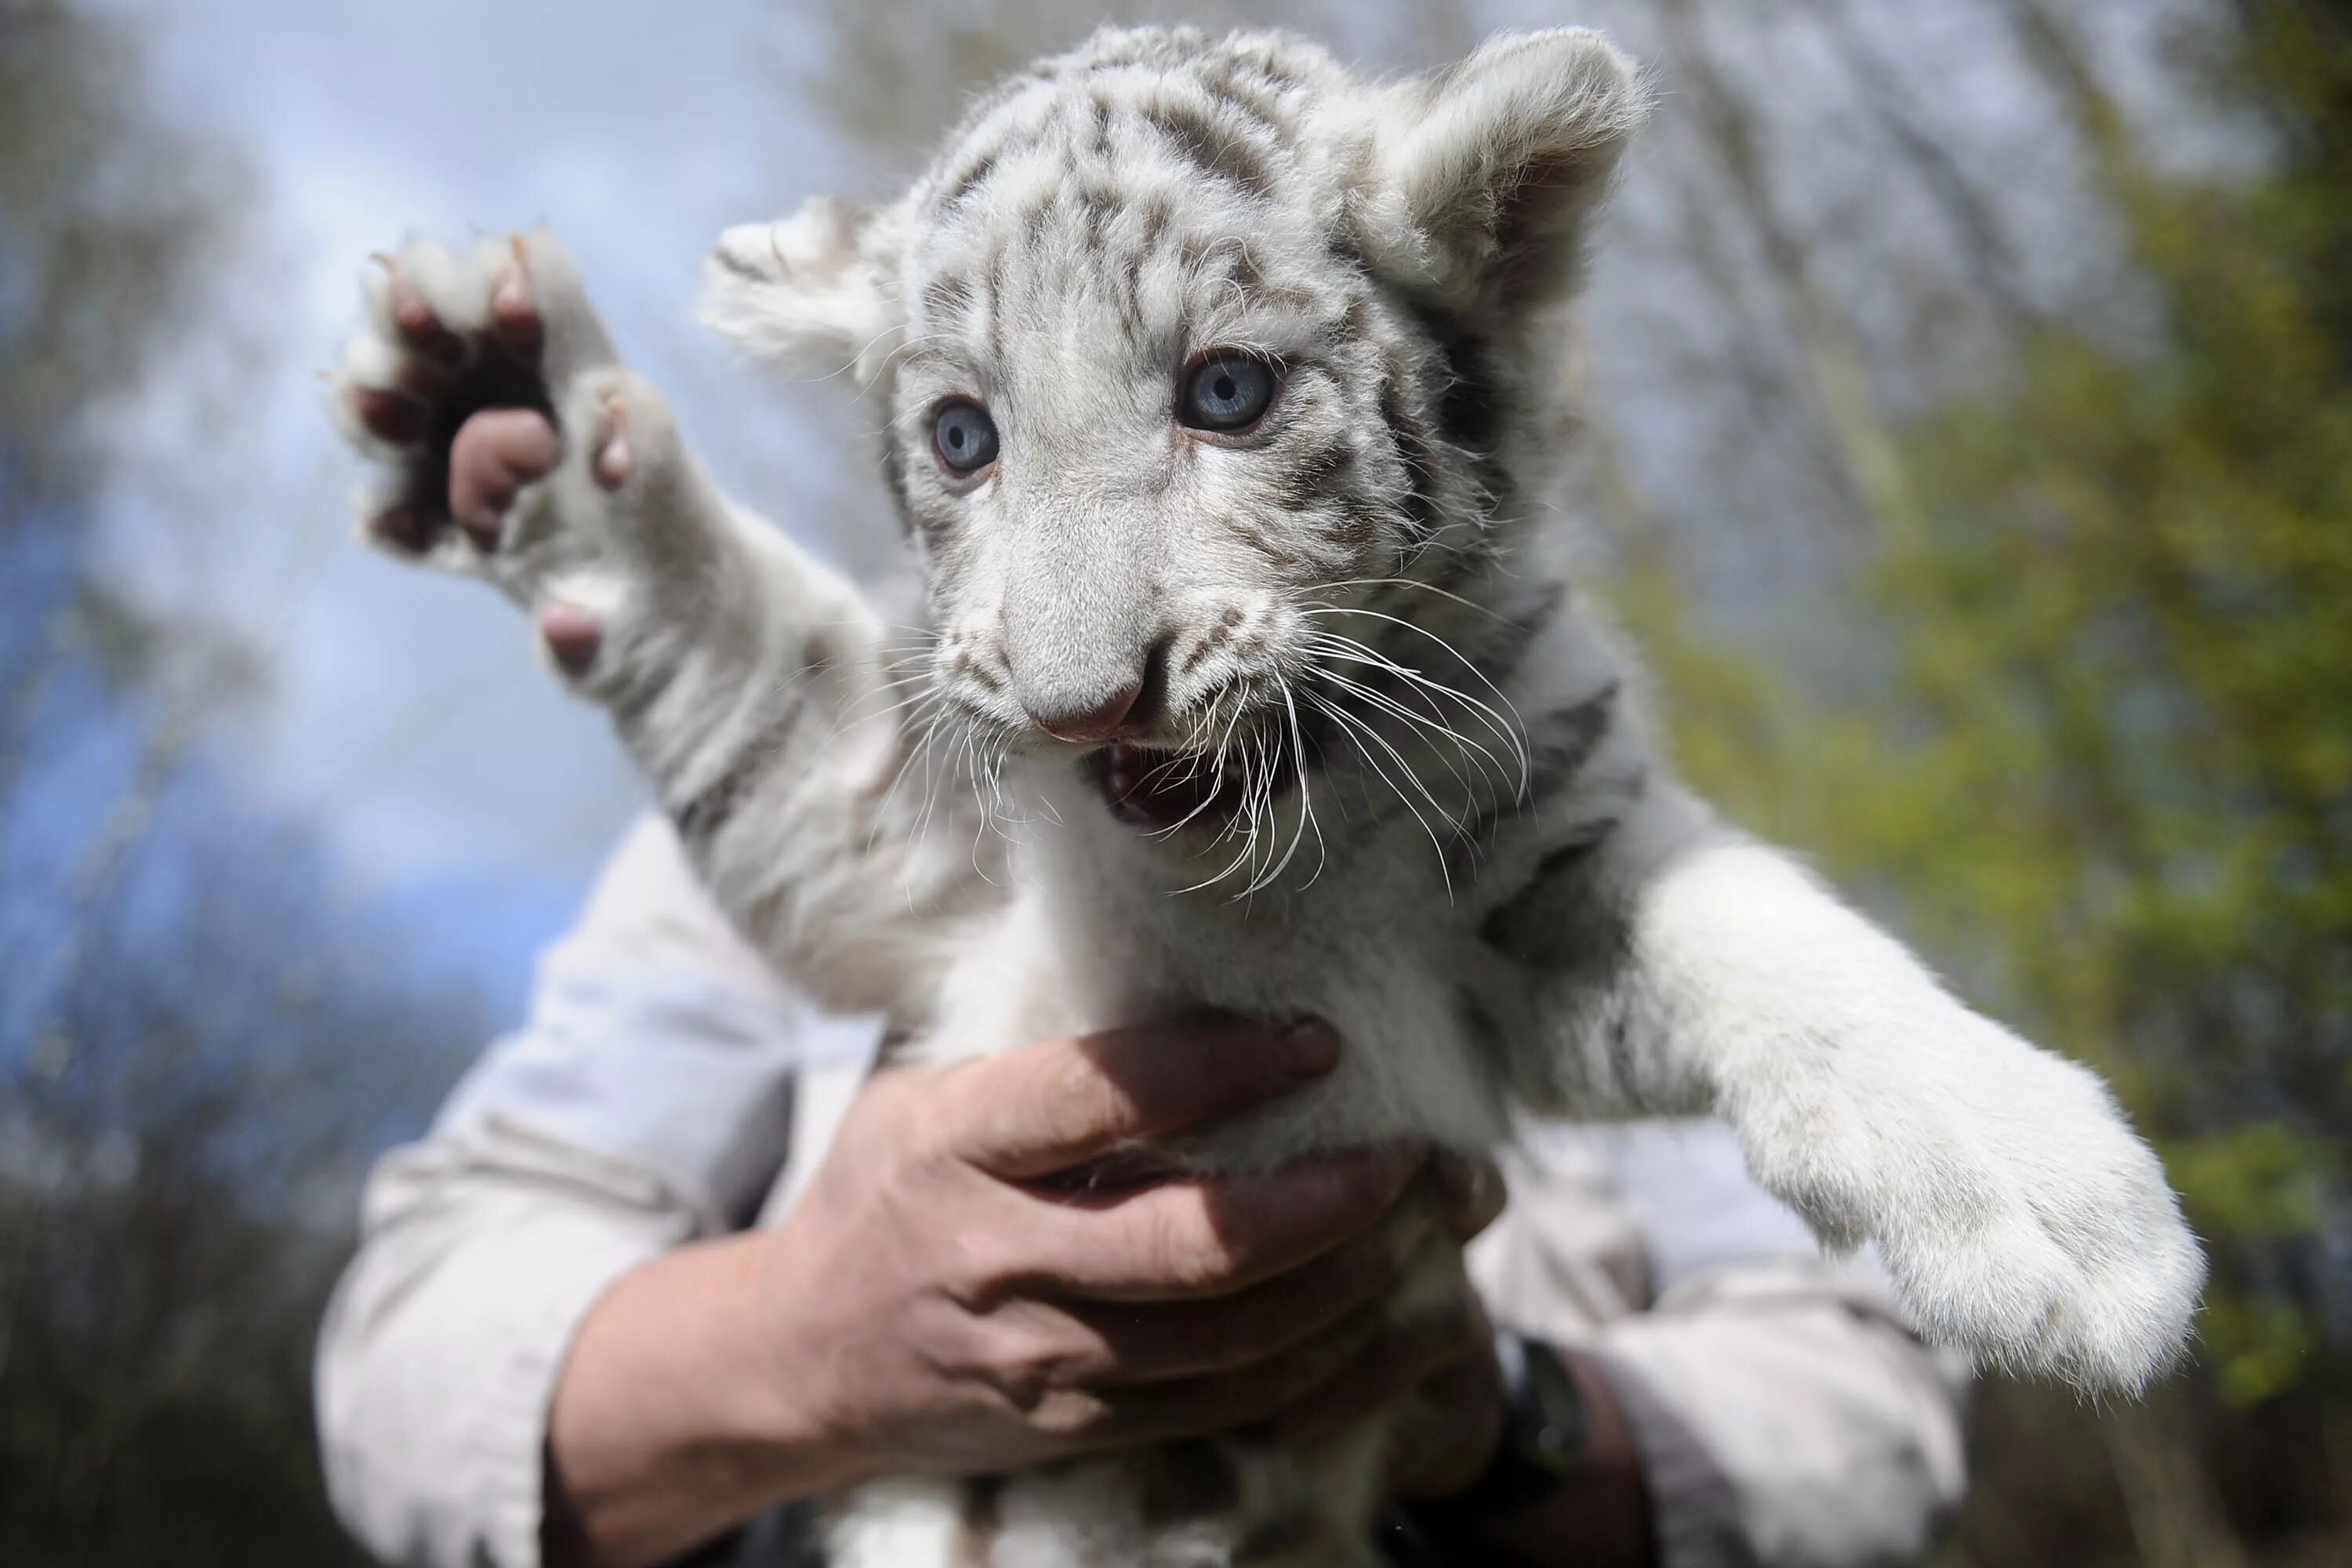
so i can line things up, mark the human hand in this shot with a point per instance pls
(945, 1297)
(937, 1300)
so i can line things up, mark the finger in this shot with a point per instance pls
(1206, 1236)
(498, 452)
(1035, 1112)
(1390, 1367)
(1221, 1402)
(1164, 1341)
(1469, 1191)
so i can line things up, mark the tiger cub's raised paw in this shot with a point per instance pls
(510, 443)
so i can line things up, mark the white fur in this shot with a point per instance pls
(906, 842)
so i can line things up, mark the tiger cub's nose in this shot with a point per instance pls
(1115, 718)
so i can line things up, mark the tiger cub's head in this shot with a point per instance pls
(1193, 349)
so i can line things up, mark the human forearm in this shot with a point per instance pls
(657, 1438)
(933, 1305)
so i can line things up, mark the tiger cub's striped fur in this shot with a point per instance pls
(1296, 713)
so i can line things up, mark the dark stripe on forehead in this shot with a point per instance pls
(1101, 103)
(1228, 81)
(1352, 323)
(1039, 213)
(1098, 204)
(1242, 269)
(948, 291)
(992, 313)
(1158, 214)
(1216, 147)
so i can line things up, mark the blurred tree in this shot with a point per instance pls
(929, 57)
(2047, 397)
(2110, 771)
(184, 1133)
(199, 1045)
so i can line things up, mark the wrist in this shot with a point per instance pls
(675, 1417)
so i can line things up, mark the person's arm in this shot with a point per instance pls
(937, 1304)
(648, 1101)
(556, 1344)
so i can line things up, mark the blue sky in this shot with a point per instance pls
(455, 781)
(458, 785)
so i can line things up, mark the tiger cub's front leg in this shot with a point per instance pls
(749, 682)
(2020, 1216)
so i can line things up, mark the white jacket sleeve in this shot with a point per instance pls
(647, 1101)
(1785, 1414)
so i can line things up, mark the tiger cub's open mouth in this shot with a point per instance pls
(1157, 790)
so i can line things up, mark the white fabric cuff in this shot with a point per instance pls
(548, 1289)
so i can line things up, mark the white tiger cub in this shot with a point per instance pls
(1220, 386)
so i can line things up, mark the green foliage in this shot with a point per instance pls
(2117, 764)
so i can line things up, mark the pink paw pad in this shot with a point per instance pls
(572, 637)
(497, 453)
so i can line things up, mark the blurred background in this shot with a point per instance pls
(1970, 400)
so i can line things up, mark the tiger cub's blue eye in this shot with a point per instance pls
(965, 437)
(1225, 393)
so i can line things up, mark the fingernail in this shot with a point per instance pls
(1310, 1048)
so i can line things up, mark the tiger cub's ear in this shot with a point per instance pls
(1485, 172)
(815, 292)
